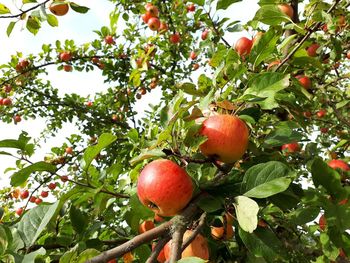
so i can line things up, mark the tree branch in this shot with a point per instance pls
(195, 232)
(25, 11)
(176, 242)
(157, 249)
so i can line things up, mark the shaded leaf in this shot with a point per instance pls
(22, 175)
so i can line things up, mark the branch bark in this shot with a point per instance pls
(157, 249)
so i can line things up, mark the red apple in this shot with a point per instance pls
(44, 194)
(24, 194)
(153, 23)
(38, 200)
(69, 150)
(243, 46)
(312, 50)
(64, 178)
(175, 38)
(348, 55)
(193, 55)
(24, 63)
(286, 9)
(322, 222)
(17, 118)
(19, 211)
(197, 248)
(343, 202)
(145, 226)
(161, 257)
(89, 103)
(342, 253)
(109, 40)
(163, 27)
(164, 187)
(67, 68)
(191, 8)
(227, 138)
(217, 232)
(7, 101)
(321, 113)
(1, 101)
(65, 56)
(291, 147)
(145, 17)
(262, 223)
(95, 60)
(307, 114)
(339, 164)
(152, 10)
(32, 199)
(52, 186)
(304, 81)
(205, 33)
(158, 218)
(195, 66)
(8, 88)
(324, 130)
(112, 261)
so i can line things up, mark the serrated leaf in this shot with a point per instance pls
(22, 175)
(35, 221)
(247, 213)
(224, 4)
(91, 152)
(266, 179)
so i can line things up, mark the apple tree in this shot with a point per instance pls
(244, 158)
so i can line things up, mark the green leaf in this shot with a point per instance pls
(52, 20)
(266, 86)
(78, 8)
(33, 25)
(191, 260)
(284, 132)
(263, 243)
(29, 1)
(190, 88)
(271, 15)
(224, 4)
(78, 219)
(4, 9)
(10, 28)
(21, 143)
(147, 154)
(30, 258)
(247, 213)
(35, 221)
(266, 179)
(137, 212)
(143, 252)
(210, 204)
(3, 240)
(328, 248)
(22, 175)
(87, 254)
(193, 139)
(303, 215)
(91, 152)
(323, 175)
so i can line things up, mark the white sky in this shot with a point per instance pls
(80, 28)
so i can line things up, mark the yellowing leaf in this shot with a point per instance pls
(247, 213)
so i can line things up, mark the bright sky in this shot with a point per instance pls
(80, 28)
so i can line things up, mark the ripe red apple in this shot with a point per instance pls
(95, 60)
(227, 138)
(291, 147)
(109, 40)
(145, 226)
(342, 253)
(340, 164)
(324, 130)
(217, 232)
(312, 50)
(205, 33)
(19, 211)
(191, 8)
(17, 118)
(1, 101)
(8, 88)
(59, 9)
(195, 66)
(32, 199)
(89, 103)
(175, 38)
(322, 222)
(348, 55)
(65, 56)
(286, 9)
(193, 55)
(64, 178)
(243, 46)
(69, 150)
(38, 200)
(163, 27)
(153, 23)
(145, 17)
(24, 194)
(304, 81)
(52, 186)
(44, 194)
(112, 261)
(161, 257)
(67, 68)
(164, 187)
(197, 248)
(307, 114)
(152, 10)
(321, 113)
(24, 63)
(6, 101)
